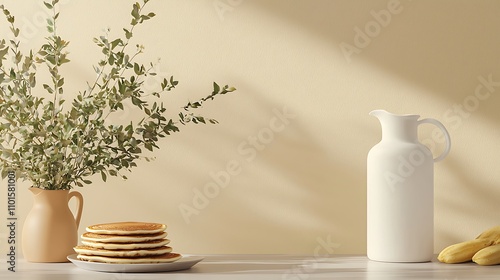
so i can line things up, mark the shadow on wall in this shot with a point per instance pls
(286, 182)
(305, 183)
(474, 190)
(448, 48)
(434, 44)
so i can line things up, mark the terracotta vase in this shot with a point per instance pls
(50, 230)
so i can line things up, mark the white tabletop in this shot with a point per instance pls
(283, 267)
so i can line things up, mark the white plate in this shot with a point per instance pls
(184, 263)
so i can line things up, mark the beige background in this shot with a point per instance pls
(303, 184)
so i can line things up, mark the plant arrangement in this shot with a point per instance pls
(57, 143)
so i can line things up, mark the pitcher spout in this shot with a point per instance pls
(378, 113)
(35, 190)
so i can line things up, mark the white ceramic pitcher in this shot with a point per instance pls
(400, 191)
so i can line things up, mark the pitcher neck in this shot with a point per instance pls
(401, 128)
(55, 197)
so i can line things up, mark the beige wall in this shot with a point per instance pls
(303, 183)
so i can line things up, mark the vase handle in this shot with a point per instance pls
(446, 137)
(79, 205)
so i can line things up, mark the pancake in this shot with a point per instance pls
(110, 238)
(87, 250)
(127, 228)
(165, 258)
(127, 246)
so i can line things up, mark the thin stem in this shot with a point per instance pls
(122, 51)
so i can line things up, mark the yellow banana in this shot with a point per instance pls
(488, 256)
(464, 251)
(491, 234)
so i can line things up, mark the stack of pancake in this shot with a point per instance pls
(126, 243)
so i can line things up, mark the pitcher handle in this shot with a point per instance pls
(79, 205)
(446, 136)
